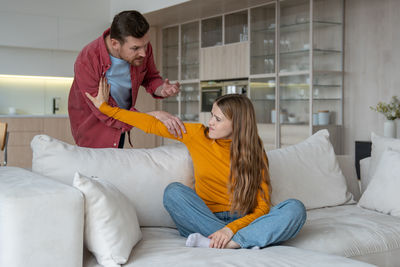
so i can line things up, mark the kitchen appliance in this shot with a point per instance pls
(208, 95)
(211, 90)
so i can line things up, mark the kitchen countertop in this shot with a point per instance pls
(34, 116)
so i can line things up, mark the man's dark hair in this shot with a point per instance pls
(128, 23)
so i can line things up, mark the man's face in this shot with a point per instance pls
(133, 50)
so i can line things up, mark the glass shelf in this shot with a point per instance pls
(170, 66)
(189, 101)
(303, 26)
(190, 64)
(306, 51)
(170, 101)
(301, 51)
(171, 46)
(194, 44)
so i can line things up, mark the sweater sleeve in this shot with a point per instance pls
(148, 123)
(261, 209)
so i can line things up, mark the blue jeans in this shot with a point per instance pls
(191, 215)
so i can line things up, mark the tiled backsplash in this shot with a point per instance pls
(33, 95)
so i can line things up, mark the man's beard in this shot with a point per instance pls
(137, 61)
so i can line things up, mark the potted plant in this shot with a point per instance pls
(392, 112)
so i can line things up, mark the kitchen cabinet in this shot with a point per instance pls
(236, 27)
(23, 128)
(225, 46)
(190, 51)
(170, 52)
(224, 62)
(292, 54)
(211, 32)
(185, 40)
(296, 74)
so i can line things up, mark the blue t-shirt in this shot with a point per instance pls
(119, 77)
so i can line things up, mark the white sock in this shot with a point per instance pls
(255, 247)
(197, 240)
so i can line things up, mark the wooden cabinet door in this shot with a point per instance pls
(225, 62)
(21, 131)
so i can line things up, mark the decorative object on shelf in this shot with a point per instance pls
(316, 93)
(392, 112)
(302, 93)
(315, 119)
(323, 117)
(292, 118)
(12, 111)
(389, 129)
(282, 116)
(270, 96)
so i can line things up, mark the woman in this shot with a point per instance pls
(230, 206)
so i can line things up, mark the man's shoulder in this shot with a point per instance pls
(92, 52)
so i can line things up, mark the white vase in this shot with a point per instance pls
(389, 129)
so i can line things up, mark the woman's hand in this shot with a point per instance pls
(220, 238)
(174, 125)
(102, 95)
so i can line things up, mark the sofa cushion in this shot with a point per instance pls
(308, 171)
(165, 247)
(379, 145)
(111, 225)
(364, 167)
(140, 174)
(346, 164)
(351, 231)
(382, 194)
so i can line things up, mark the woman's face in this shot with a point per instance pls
(220, 127)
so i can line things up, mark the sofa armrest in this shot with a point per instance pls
(41, 221)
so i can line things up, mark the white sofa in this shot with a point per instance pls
(42, 215)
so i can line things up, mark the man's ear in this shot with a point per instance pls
(116, 45)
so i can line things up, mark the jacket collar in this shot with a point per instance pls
(104, 55)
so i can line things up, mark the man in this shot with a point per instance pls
(123, 54)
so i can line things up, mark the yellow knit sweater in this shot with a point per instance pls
(211, 162)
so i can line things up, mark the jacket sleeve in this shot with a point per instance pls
(87, 80)
(152, 79)
(261, 209)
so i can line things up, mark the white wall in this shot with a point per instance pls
(43, 37)
(372, 65)
(140, 5)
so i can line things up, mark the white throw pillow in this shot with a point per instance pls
(309, 172)
(140, 174)
(382, 194)
(111, 226)
(379, 145)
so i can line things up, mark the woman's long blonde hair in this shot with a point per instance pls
(249, 163)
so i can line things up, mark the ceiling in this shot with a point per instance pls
(196, 9)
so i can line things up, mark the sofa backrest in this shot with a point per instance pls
(346, 163)
(140, 174)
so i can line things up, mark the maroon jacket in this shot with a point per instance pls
(91, 128)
